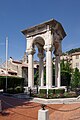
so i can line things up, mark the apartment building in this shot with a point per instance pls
(17, 68)
(73, 58)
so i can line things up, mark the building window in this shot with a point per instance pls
(77, 64)
(77, 56)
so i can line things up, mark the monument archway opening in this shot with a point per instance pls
(39, 43)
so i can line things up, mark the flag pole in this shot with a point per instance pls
(6, 60)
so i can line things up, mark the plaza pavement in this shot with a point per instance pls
(26, 109)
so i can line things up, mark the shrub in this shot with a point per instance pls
(51, 91)
(12, 83)
(70, 94)
(42, 95)
(18, 89)
(43, 91)
(10, 90)
(59, 91)
(75, 82)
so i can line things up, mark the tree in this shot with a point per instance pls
(75, 82)
(65, 73)
(73, 50)
(36, 77)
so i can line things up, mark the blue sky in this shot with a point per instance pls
(16, 15)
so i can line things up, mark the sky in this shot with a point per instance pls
(17, 15)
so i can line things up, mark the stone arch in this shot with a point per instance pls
(39, 43)
(39, 40)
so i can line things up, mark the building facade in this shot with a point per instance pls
(16, 68)
(73, 58)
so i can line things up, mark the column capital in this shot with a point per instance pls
(58, 48)
(48, 47)
(58, 53)
(31, 51)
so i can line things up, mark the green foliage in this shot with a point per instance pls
(36, 76)
(70, 94)
(19, 89)
(12, 83)
(41, 95)
(51, 91)
(59, 91)
(56, 93)
(73, 50)
(65, 73)
(10, 90)
(43, 91)
(65, 66)
(75, 82)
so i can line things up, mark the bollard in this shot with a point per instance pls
(0, 107)
(43, 114)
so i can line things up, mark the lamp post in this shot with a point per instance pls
(6, 59)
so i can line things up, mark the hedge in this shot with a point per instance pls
(43, 91)
(12, 83)
(58, 91)
(52, 91)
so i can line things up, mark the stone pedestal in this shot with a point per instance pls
(43, 114)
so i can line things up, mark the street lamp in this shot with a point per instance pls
(6, 60)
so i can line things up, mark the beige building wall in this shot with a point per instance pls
(74, 59)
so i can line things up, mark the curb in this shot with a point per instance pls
(56, 101)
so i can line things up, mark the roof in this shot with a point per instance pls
(76, 53)
(17, 62)
(25, 65)
(51, 23)
(5, 74)
(12, 71)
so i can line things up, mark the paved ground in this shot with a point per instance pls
(19, 109)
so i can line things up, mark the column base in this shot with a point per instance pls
(53, 87)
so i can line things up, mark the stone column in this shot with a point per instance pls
(57, 71)
(41, 69)
(30, 68)
(48, 67)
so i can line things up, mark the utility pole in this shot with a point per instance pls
(6, 60)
